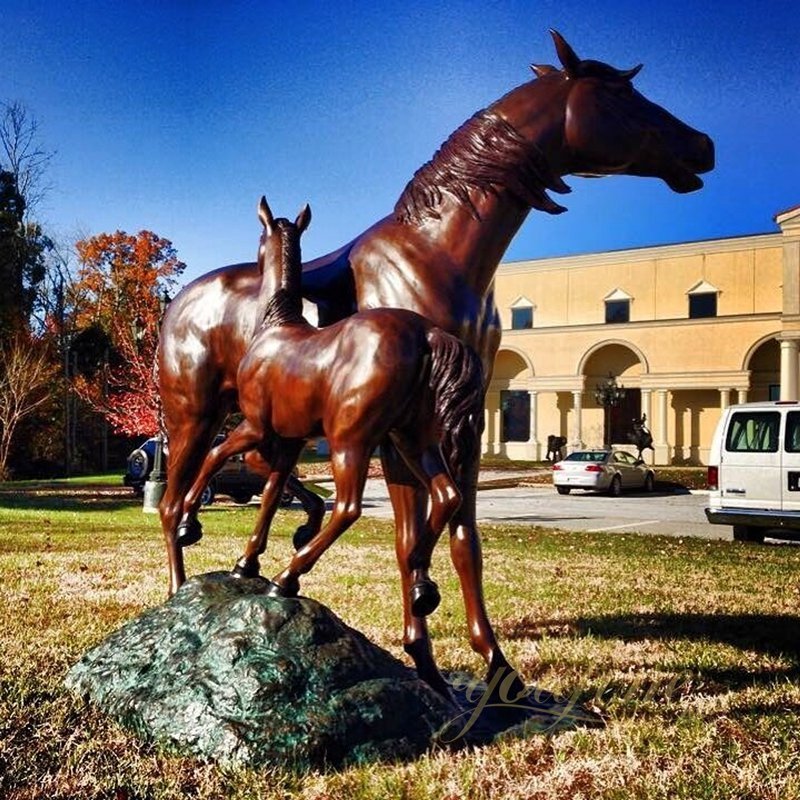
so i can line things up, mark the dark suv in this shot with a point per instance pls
(234, 479)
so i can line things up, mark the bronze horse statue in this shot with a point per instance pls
(379, 373)
(640, 436)
(436, 254)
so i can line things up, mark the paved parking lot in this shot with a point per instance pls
(670, 514)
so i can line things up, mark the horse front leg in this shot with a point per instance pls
(467, 557)
(279, 458)
(409, 499)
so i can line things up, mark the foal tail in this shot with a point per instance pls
(457, 383)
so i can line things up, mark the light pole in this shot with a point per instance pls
(156, 484)
(608, 394)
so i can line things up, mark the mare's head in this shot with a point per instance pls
(606, 126)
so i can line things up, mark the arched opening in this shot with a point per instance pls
(764, 364)
(609, 416)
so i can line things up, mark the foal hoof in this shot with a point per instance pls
(291, 589)
(245, 569)
(189, 533)
(302, 536)
(425, 598)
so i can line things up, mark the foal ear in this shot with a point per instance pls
(303, 218)
(265, 215)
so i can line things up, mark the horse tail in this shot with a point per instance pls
(456, 380)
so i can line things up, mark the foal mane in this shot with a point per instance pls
(286, 304)
(484, 154)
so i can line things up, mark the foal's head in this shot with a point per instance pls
(280, 264)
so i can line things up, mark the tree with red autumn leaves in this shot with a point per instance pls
(118, 299)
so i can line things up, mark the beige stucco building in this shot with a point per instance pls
(687, 329)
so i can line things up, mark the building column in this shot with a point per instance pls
(533, 438)
(741, 396)
(647, 412)
(724, 398)
(661, 443)
(789, 369)
(577, 423)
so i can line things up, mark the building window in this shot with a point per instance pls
(516, 413)
(521, 318)
(702, 305)
(618, 311)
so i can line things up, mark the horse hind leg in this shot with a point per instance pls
(189, 441)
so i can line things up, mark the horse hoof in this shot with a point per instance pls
(425, 598)
(189, 533)
(302, 536)
(291, 589)
(245, 569)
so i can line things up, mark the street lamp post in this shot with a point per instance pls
(608, 394)
(156, 484)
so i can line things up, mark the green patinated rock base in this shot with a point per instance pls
(226, 673)
(223, 672)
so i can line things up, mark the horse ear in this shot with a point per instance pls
(303, 218)
(543, 69)
(566, 55)
(265, 215)
(630, 74)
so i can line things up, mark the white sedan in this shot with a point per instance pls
(602, 471)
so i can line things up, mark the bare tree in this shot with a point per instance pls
(21, 154)
(26, 374)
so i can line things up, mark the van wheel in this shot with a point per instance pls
(747, 533)
(563, 489)
(616, 486)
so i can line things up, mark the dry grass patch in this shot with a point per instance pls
(691, 650)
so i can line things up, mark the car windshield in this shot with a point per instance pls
(588, 455)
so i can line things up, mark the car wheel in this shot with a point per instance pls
(615, 488)
(747, 533)
(562, 489)
(207, 498)
(138, 464)
(242, 497)
(649, 483)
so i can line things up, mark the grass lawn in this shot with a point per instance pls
(690, 648)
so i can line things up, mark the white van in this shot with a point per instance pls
(754, 471)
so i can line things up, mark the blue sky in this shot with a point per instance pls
(177, 116)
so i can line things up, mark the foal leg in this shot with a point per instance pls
(280, 459)
(349, 466)
(429, 467)
(312, 503)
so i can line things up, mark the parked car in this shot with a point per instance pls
(602, 471)
(754, 471)
(233, 479)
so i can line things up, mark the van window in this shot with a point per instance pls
(792, 443)
(753, 432)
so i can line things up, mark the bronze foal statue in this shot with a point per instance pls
(436, 254)
(378, 374)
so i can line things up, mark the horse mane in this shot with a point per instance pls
(484, 154)
(286, 304)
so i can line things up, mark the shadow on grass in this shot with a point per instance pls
(80, 499)
(771, 635)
